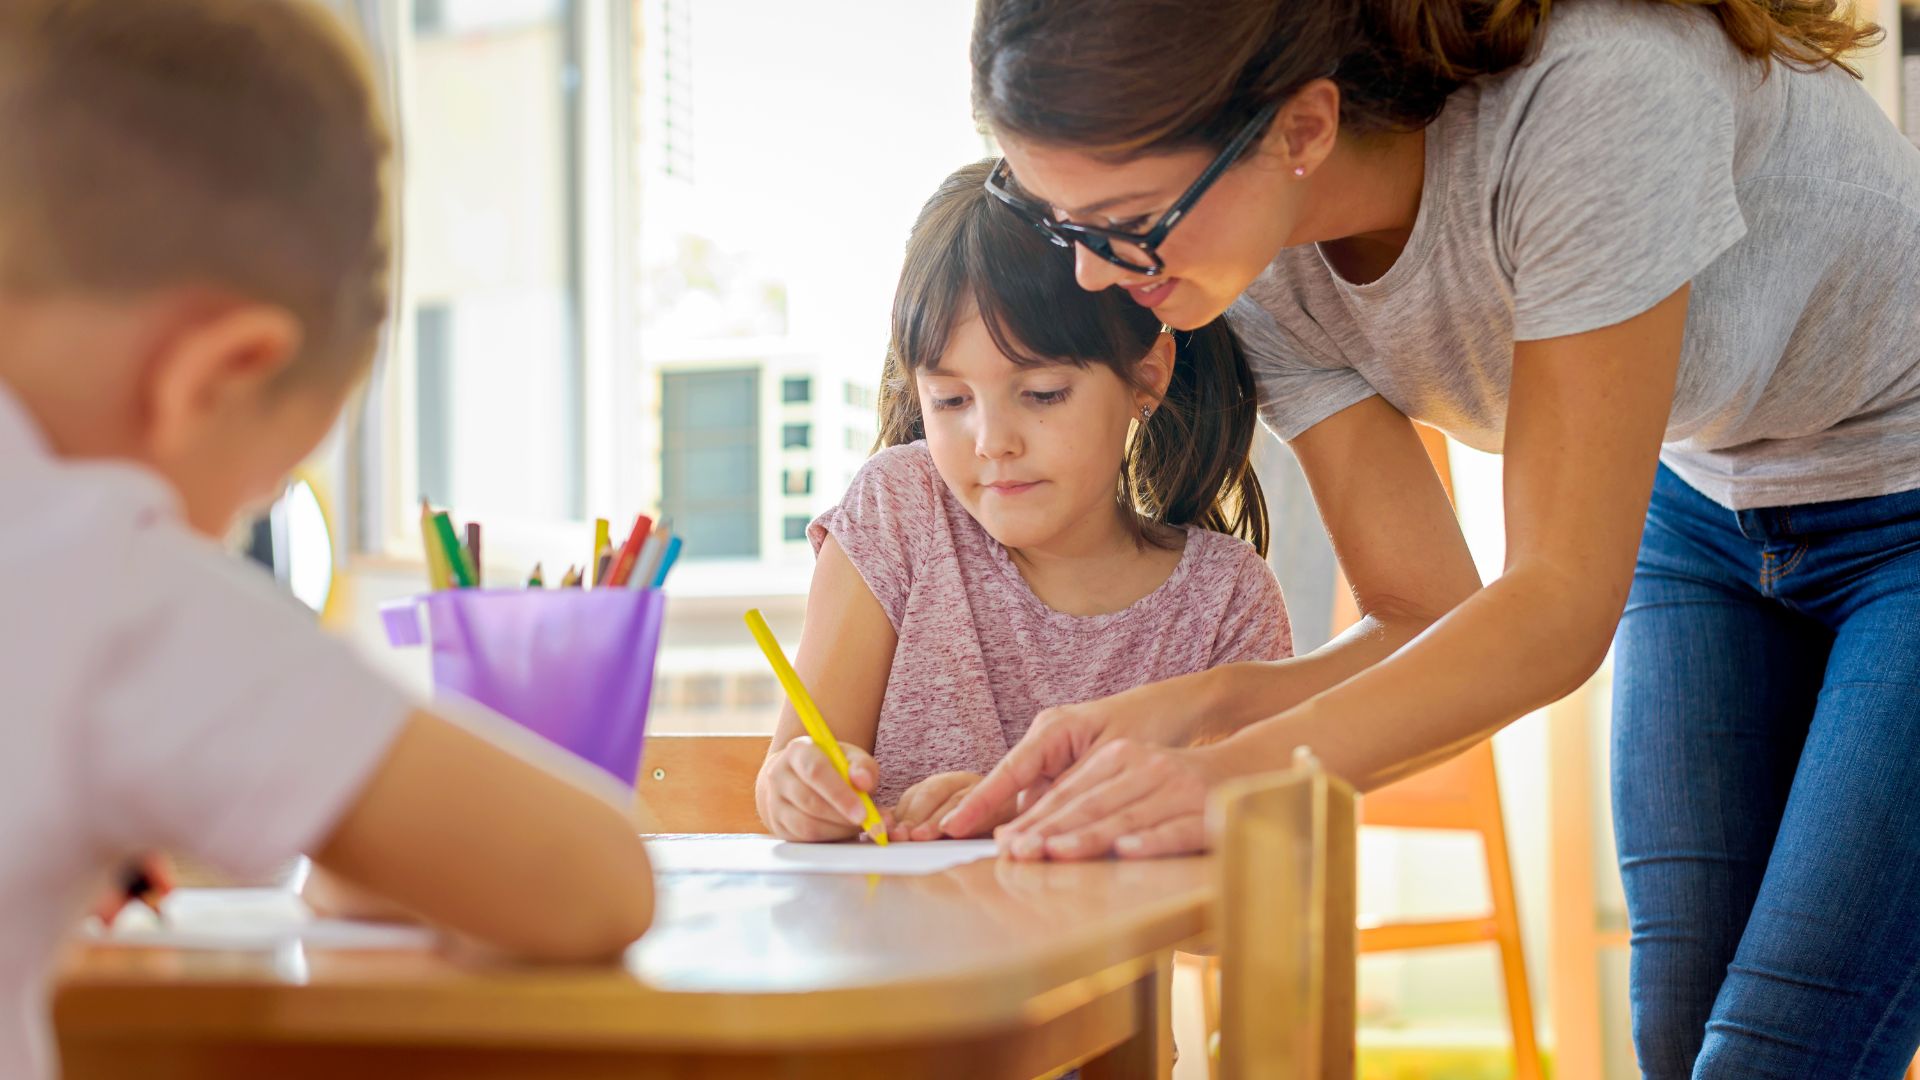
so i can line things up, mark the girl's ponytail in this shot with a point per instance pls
(1191, 463)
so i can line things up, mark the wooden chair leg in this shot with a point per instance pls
(1506, 918)
(1210, 1010)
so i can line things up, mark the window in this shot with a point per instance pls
(709, 461)
(630, 260)
(433, 370)
(796, 527)
(492, 257)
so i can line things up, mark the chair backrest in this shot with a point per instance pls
(1286, 925)
(1455, 794)
(700, 783)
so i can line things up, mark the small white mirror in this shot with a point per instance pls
(307, 547)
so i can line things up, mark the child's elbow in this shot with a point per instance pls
(596, 919)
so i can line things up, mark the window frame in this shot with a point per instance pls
(600, 222)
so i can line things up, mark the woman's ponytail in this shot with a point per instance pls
(1191, 463)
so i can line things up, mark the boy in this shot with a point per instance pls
(193, 274)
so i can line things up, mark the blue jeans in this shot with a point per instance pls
(1766, 787)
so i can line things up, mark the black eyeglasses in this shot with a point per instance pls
(1136, 251)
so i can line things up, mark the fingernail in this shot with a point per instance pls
(1066, 845)
(1025, 846)
(1129, 845)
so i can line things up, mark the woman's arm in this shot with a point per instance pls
(1400, 546)
(845, 655)
(1585, 419)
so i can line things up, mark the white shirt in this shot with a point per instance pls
(156, 694)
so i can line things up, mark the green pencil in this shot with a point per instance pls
(456, 555)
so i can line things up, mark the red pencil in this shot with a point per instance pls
(629, 551)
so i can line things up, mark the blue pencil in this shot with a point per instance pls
(666, 561)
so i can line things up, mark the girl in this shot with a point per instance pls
(1665, 256)
(1063, 508)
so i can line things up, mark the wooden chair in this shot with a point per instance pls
(1285, 925)
(1461, 795)
(1464, 795)
(700, 783)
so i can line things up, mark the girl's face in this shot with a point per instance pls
(1033, 453)
(1211, 255)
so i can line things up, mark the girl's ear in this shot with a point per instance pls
(1154, 372)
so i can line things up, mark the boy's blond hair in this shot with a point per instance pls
(235, 144)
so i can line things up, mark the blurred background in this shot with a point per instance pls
(648, 251)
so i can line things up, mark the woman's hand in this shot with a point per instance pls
(926, 803)
(1164, 713)
(801, 797)
(1127, 798)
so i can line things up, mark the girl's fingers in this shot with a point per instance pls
(819, 775)
(934, 831)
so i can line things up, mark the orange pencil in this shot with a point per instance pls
(629, 552)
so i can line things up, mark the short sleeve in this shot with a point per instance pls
(224, 724)
(1617, 187)
(1297, 388)
(885, 522)
(1256, 626)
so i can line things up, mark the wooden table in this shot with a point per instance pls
(993, 969)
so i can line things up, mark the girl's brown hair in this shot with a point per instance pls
(1131, 76)
(968, 253)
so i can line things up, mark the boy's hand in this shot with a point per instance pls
(918, 815)
(158, 872)
(802, 798)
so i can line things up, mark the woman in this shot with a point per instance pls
(1666, 259)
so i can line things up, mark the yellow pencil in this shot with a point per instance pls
(439, 570)
(810, 717)
(602, 543)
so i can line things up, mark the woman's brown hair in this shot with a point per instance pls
(967, 254)
(1133, 76)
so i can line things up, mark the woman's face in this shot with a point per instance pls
(1233, 232)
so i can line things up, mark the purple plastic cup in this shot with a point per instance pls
(574, 666)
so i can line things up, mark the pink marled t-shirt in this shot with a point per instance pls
(980, 655)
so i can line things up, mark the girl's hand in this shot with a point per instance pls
(802, 798)
(1126, 798)
(1164, 713)
(921, 809)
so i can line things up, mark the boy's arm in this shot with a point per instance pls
(468, 835)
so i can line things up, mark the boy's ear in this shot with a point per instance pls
(1155, 372)
(211, 364)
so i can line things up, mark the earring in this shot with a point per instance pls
(1300, 171)
(1145, 413)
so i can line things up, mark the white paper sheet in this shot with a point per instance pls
(765, 855)
(248, 919)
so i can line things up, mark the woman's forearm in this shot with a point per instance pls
(1521, 643)
(1236, 695)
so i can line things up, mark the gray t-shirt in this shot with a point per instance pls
(1639, 152)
